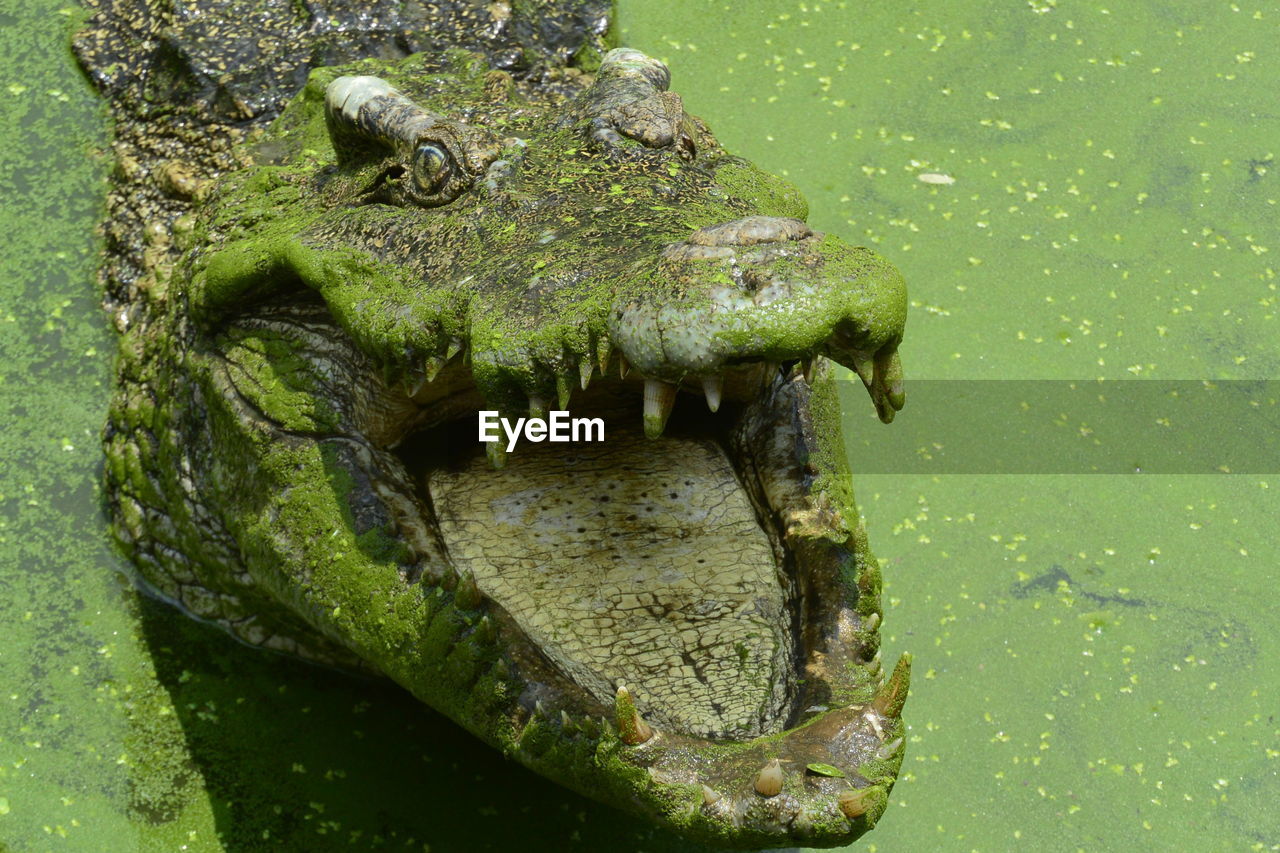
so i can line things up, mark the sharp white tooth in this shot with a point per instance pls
(659, 400)
(584, 372)
(712, 386)
(710, 796)
(624, 366)
(873, 621)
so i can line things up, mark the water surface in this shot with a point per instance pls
(1092, 652)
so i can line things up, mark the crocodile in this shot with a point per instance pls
(337, 232)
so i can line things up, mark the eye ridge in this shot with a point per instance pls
(432, 165)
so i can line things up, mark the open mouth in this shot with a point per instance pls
(691, 592)
(683, 607)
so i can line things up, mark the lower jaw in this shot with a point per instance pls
(807, 750)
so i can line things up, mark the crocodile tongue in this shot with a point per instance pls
(633, 561)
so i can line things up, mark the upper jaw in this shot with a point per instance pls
(767, 287)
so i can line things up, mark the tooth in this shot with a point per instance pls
(862, 365)
(537, 408)
(538, 710)
(584, 372)
(712, 386)
(893, 378)
(432, 367)
(497, 454)
(769, 779)
(624, 366)
(886, 389)
(887, 751)
(808, 366)
(455, 347)
(565, 722)
(631, 728)
(659, 399)
(602, 354)
(891, 697)
(564, 387)
(467, 595)
(484, 632)
(854, 803)
(590, 728)
(873, 622)
(709, 796)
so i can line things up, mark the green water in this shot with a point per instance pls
(1094, 653)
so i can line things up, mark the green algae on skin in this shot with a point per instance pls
(394, 303)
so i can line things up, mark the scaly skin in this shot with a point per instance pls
(318, 307)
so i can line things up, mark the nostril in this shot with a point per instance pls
(751, 230)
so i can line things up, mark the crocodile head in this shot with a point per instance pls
(680, 619)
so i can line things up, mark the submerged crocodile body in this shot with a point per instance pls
(337, 232)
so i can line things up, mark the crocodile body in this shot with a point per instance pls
(337, 232)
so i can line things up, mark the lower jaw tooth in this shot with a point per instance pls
(853, 803)
(632, 729)
(889, 749)
(769, 780)
(889, 700)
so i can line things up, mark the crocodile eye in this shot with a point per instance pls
(431, 168)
